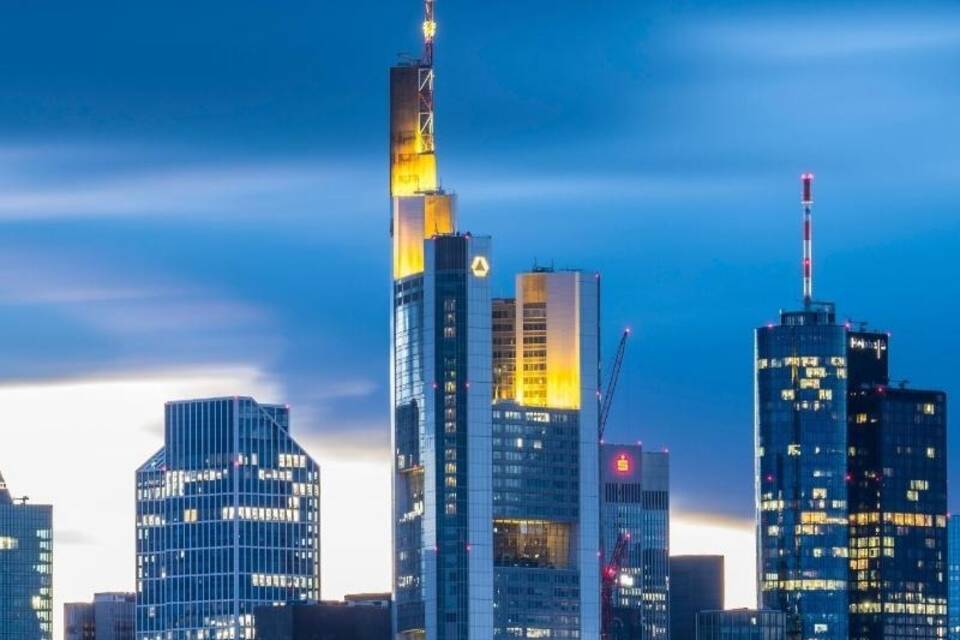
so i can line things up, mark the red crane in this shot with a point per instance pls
(608, 580)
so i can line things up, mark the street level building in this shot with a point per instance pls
(740, 624)
(109, 617)
(26, 568)
(227, 519)
(696, 584)
(358, 617)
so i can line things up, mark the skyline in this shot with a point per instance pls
(255, 320)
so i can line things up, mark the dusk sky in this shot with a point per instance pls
(193, 200)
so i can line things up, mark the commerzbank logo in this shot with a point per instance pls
(480, 266)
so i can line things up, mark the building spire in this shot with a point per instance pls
(807, 201)
(429, 32)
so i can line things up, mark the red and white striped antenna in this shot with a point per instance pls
(807, 201)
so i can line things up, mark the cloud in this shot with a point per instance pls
(97, 427)
(51, 182)
(820, 37)
(640, 188)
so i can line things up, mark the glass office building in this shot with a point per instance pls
(696, 584)
(227, 519)
(635, 505)
(898, 513)
(801, 493)
(545, 502)
(109, 617)
(741, 624)
(26, 568)
(953, 578)
(442, 530)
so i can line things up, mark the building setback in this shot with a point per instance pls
(635, 506)
(109, 617)
(696, 584)
(898, 504)
(228, 519)
(26, 569)
(545, 448)
(740, 624)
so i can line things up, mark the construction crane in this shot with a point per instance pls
(607, 400)
(608, 580)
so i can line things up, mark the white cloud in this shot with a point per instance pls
(818, 37)
(76, 444)
(698, 533)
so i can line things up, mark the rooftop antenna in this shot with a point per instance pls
(429, 32)
(807, 201)
(425, 79)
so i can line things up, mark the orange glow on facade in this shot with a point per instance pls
(548, 340)
(623, 463)
(415, 219)
(413, 161)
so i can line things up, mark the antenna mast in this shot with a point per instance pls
(807, 201)
(429, 32)
(425, 80)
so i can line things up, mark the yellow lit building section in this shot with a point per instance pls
(416, 218)
(420, 209)
(548, 340)
(413, 161)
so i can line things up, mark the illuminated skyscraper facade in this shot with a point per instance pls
(228, 519)
(953, 577)
(441, 384)
(26, 569)
(443, 566)
(545, 456)
(898, 513)
(635, 505)
(801, 451)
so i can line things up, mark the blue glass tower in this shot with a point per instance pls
(440, 383)
(442, 533)
(26, 569)
(898, 520)
(953, 574)
(800, 435)
(635, 503)
(801, 444)
(227, 520)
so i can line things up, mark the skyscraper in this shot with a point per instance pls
(228, 518)
(953, 580)
(545, 502)
(801, 448)
(109, 617)
(441, 383)
(898, 504)
(26, 569)
(635, 506)
(696, 584)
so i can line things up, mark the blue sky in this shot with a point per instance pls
(186, 186)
